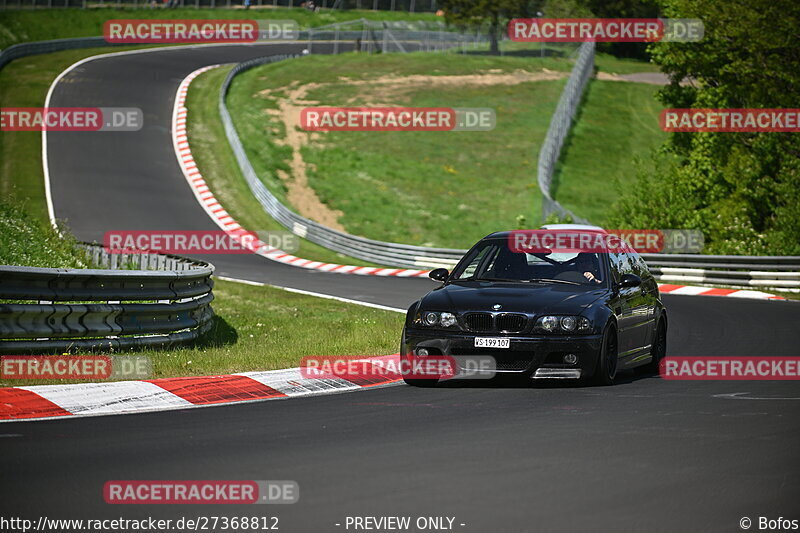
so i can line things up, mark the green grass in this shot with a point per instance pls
(221, 172)
(262, 328)
(617, 127)
(427, 188)
(617, 65)
(27, 241)
(450, 188)
(44, 24)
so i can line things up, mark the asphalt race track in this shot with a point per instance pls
(644, 455)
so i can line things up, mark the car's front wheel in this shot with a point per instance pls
(606, 369)
(659, 349)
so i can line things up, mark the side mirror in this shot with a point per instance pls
(630, 280)
(439, 274)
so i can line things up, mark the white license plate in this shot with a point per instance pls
(492, 342)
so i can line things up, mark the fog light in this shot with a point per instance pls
(422, 351)
(570, 358)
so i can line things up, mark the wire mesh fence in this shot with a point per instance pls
(408, 6)
(559, 129)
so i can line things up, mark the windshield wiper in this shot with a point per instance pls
(549, 280)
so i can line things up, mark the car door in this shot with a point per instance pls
(650, 296)
(641, 303)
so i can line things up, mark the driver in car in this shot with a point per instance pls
(586, 263)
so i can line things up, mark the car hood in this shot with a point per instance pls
(534, 298)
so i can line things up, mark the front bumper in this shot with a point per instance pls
(540, 356)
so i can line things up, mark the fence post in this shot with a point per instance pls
(336, 40)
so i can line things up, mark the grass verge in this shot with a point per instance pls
(445, 188)
(425, 188)
(263, 328)
(27, 241)
(615, 132)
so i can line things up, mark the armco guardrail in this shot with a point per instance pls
(93, 309)
(560, 124)
(45, 47)
(779, 272)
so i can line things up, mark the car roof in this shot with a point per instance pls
(588, 227)
(579, 227)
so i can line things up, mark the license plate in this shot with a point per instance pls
(492, 342)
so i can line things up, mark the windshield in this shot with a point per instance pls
(493, 260)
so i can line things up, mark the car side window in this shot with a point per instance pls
(615, 259)
(476, 261)
(632, 264)
(628, 264)
(641, 267)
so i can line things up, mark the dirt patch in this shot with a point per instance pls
(292, 98)
(651, 78)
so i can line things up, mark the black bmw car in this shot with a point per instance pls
(552, 313)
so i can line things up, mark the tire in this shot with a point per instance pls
(658, 350)
(606, 369)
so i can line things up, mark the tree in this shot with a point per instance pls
(493, 14)
(741, 189)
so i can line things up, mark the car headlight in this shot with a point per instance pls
(548, 323)
(447, 320)
(434, 318)
(430, 318)
(563, 324)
